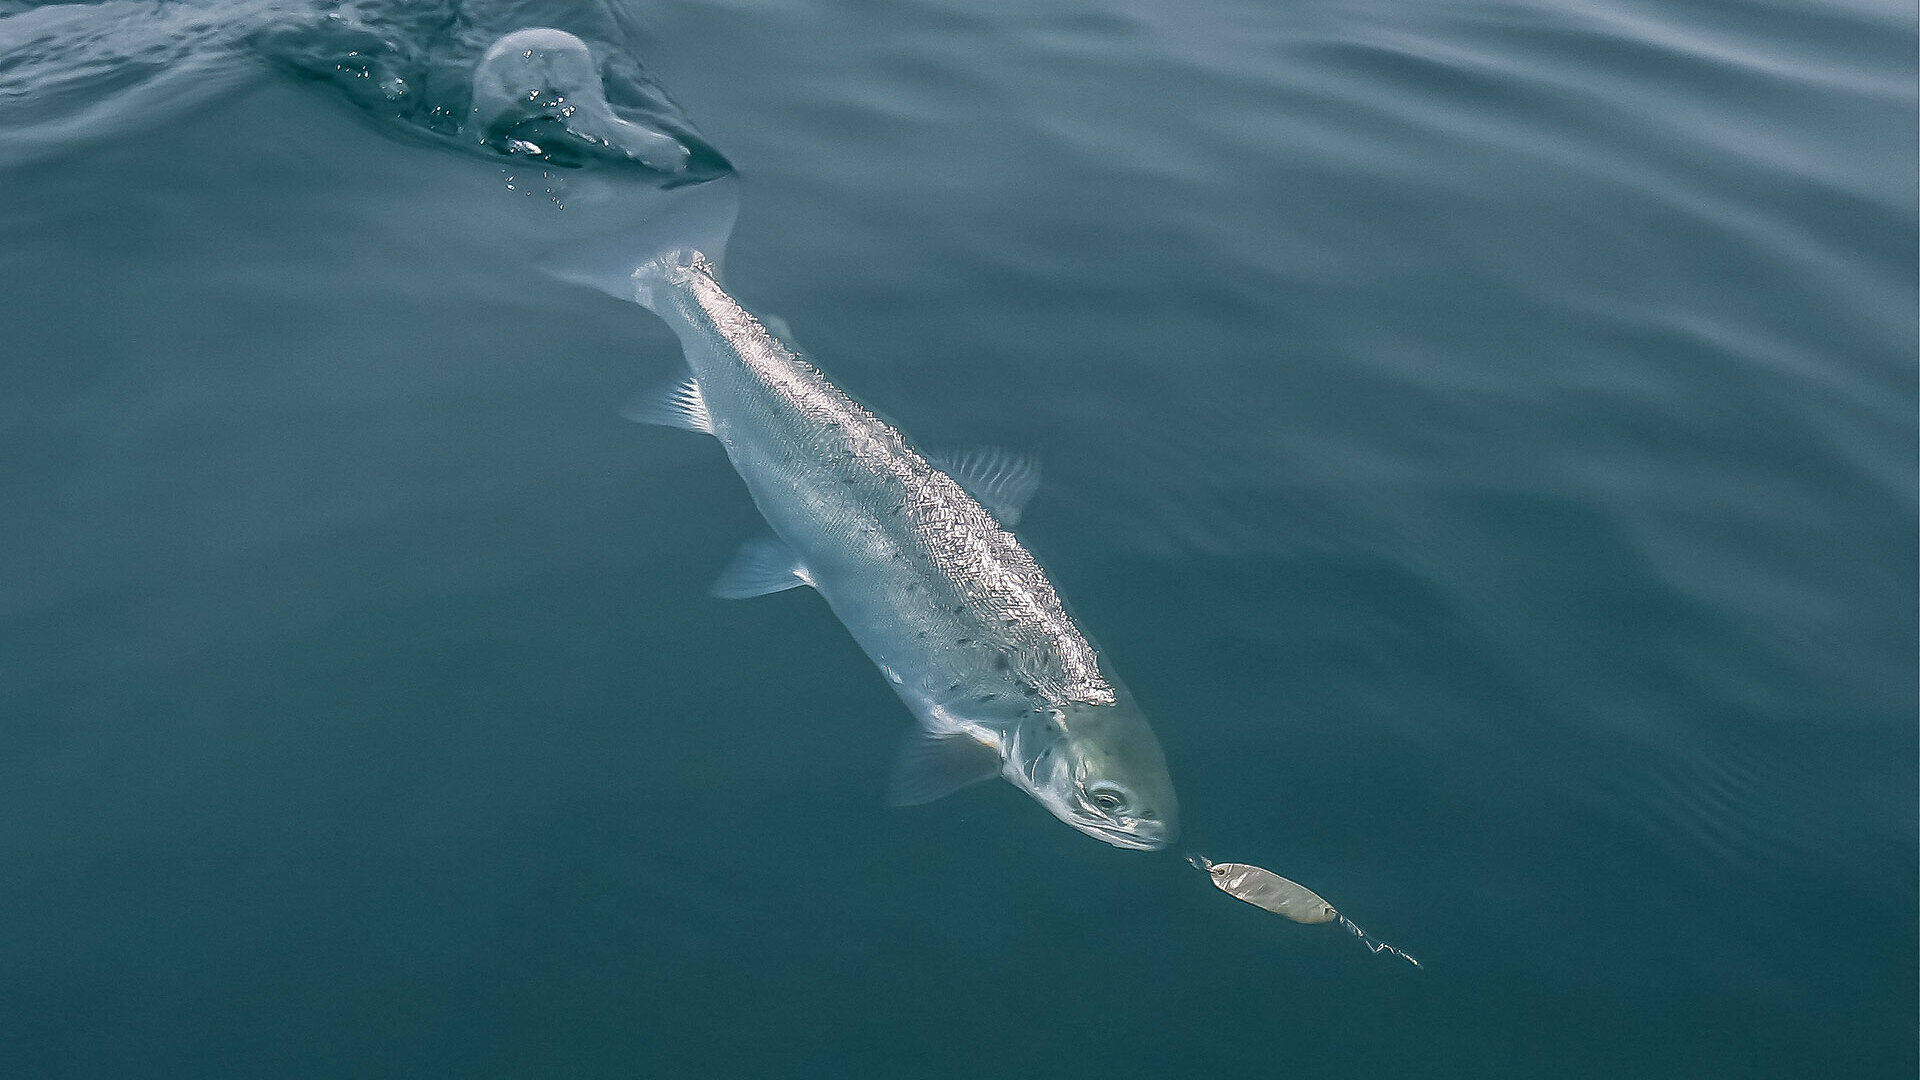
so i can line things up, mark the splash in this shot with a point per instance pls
(537, 92)
(474, 75)
(466, 73)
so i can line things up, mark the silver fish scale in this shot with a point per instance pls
(1003, 586)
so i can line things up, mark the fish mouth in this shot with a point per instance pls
(1130, 839)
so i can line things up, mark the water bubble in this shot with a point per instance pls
(538, 91)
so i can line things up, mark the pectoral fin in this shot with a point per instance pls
(763, 565)
(1002, 480)
(934, 766)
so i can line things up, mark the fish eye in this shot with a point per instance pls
(1108, 798)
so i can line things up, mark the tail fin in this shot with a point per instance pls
(622, 262)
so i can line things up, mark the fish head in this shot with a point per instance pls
(1099, 769)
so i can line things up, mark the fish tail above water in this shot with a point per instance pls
(624, 263)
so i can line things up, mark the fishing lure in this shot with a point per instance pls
(1269, 891)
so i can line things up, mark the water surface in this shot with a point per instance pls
(1481, 434)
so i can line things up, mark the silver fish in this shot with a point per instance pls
(911, 552)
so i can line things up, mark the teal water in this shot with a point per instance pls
(1482, 434)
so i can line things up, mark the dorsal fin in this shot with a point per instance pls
(1003, 481)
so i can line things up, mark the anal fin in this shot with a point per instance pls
(764, 564)
(675, 403)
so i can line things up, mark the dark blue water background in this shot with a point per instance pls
(1482, 434)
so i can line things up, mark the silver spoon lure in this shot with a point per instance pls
(1269, 891)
